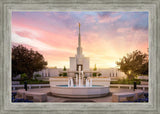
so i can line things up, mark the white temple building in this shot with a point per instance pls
(79, 59)
(82, 62)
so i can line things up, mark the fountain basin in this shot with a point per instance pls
(79, 92)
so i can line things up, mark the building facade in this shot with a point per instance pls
(79, 61)
(105, 72)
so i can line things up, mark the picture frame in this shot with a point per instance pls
(152, 6)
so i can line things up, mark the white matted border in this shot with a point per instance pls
(6, 8)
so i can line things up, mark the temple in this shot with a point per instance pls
(79, 61)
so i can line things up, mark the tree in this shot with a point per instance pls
(64, 69)
(94, 69)
(135, 63)
(26, 61)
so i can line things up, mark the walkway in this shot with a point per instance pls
(101, 99)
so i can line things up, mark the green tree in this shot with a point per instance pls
(64, 69)
(133, 64)
(94, 69)
(26, 61)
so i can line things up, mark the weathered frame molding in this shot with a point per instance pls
(7, 6)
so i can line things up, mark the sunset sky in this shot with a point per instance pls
(105, 36)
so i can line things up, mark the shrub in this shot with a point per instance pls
(31, 81)
(64, 74)
(23, 76)
(94, 74)
(99, 74)
(37, 75)
(125, 81)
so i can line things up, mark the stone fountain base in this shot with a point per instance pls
(80, 92)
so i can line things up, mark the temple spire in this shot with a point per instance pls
(79, 37)
(79, 48)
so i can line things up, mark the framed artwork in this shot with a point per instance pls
(80, 56)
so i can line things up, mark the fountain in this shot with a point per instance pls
(79, 89)
(79, 80)
(90, 87)
(70, 82)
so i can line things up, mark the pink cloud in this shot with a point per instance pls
(23, 33)
(61, 39)
(59, 42)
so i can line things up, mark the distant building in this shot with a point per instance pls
(114, 73)
(49, 72)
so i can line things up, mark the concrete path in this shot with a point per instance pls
(107, 98)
